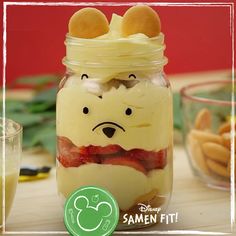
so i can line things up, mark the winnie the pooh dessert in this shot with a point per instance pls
(114, 112)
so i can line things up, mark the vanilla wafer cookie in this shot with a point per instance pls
(141, 19)
(88, 23)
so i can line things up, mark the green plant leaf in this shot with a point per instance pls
(46, 137)
(14, 105)
(25, 119)
(50, 116)
(48, 96)
(177, 111)
(49, 143)
(35, 107)
(41, 135)
(29, 136)
(37, 80)
(38, 115)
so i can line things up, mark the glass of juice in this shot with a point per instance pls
(10, 149)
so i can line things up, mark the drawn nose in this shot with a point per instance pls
(108, 131)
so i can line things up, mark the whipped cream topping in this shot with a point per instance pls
(108, 55)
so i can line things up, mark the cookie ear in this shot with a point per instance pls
(88, 23)
(81, 203)
(141, 19)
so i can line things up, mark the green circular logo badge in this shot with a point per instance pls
(91, 211)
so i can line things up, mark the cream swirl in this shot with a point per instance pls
(109, 55)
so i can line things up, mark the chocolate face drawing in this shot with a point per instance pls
(123, 116)
(108, 130)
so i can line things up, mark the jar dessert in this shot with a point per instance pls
(114, 113)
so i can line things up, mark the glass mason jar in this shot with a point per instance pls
(114, 124)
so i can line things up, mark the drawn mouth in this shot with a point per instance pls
(109, 131)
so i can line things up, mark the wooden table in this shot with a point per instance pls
(37, 207)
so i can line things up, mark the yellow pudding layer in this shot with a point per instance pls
(149, 126)
(125, 183)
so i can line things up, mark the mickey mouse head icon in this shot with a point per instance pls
(91, 211)
(97, 215)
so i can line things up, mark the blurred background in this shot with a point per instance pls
(197, 38)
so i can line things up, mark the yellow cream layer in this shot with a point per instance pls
(110, 54)
(125, 183)
(149, 127)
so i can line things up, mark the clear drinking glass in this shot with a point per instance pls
(11, 138)
(209, 130)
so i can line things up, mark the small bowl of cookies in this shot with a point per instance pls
(209, 131)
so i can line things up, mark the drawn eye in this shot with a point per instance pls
(85, 110)
(128, 112)
(83, 76)
(132, 76)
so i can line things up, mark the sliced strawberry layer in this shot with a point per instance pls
(64, 145)
(97, 150)
(76, 161)
(80, 150)
(125, 161)
(110, 149)
(150, 160)
(156, 161)
(69, 162)
(73, 156)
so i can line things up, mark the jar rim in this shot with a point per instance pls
(17, 128)
(154, 64)
(184, 93)
(115, 55)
